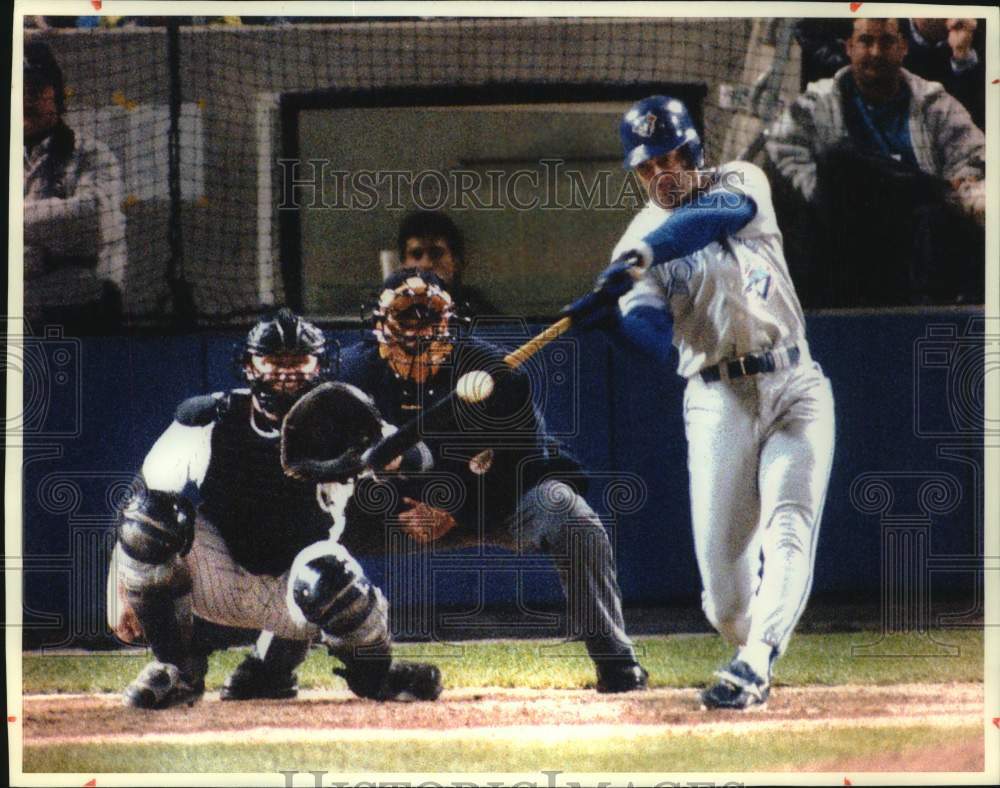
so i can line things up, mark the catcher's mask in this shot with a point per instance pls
(413, 323)
(284, 357)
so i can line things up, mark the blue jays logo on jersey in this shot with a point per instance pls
(759, 282)
(644, 126)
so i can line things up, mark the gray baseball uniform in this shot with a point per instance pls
(760, 446)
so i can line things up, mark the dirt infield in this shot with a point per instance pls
(330, 715)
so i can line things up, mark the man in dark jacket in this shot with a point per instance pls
(491, 475)
(950, 51)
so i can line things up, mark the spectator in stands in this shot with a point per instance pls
(430, 241)
(950, 51)
(899, 161)
(822, 42)
(74, 228)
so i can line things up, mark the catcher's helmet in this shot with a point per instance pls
(283, 336)
(413, 323)
(658, 125)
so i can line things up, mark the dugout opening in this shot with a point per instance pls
(530, 173)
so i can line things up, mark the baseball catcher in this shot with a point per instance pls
(257, 552)
(483, 472)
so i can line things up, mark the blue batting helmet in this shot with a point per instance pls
(658, 125)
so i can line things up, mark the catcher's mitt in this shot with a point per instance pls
(326, 432)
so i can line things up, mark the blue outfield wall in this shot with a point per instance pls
(907, 472)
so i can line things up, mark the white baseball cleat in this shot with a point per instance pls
(739, 687)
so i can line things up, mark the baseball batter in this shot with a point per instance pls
(258, 553)
(705, 256)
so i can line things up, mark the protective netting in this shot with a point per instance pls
(191, 114)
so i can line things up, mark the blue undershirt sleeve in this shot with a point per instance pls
(690, 228)
(649, 330)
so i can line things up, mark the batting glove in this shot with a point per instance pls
(619, 277)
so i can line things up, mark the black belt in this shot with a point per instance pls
(751, 364)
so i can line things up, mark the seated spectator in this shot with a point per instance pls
(892, 169)
(822, 44)
(74, 228)
(430, 241)
(949, 51)
(945, 51)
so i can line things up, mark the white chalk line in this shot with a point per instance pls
(546, 734)
(535, 693)
(946, 706)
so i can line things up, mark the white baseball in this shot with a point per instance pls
(475, 386)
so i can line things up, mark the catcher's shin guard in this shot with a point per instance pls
(155, 531)
(162, 685)
(327, 587)
(268, 672)
(389, 680)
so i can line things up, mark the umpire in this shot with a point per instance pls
(491, 475)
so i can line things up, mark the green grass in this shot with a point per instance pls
(672, 661)
(645, 753)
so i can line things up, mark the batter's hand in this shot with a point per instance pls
(599, 307)
(423, 523)
(619, 277)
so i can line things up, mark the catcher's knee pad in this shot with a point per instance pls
(732, 622)
(327, 587)
(155, 529)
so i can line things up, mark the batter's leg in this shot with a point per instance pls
(794, 473)
(721, 427)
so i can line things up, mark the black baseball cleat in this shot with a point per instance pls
(409, 681)
(739, 687)
(621, 677)
(253, 679)
(161, 686)
(401, 681)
